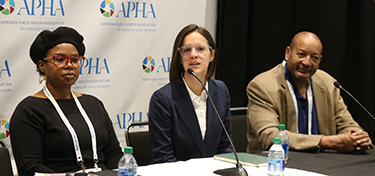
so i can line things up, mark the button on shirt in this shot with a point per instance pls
(199, 103)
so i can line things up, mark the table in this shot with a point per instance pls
(206, 167)
(333, 163)
(299, 163)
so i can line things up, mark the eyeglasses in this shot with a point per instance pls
(200, 49)
(61, 61)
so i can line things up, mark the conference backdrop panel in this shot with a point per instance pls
(128, 50)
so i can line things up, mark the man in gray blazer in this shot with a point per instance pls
(301, 96)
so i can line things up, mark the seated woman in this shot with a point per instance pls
(56, 129)
(182, 123)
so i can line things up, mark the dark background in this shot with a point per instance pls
(252, 36)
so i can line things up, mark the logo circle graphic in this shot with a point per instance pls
(4, 10)
(4, 132)
(104, 5)
(148, 64)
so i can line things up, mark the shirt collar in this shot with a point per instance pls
(192, 95)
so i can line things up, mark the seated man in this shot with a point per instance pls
(301, 96)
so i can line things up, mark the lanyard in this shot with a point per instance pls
(71, 129)
(309, 100)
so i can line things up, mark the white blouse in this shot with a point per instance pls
(199, 103)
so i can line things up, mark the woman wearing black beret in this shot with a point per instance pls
(56, 129)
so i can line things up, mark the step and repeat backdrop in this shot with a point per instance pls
(128, 50)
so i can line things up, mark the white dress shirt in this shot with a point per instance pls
(199, 103)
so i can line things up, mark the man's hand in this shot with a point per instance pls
(352, 142)
(363, 140)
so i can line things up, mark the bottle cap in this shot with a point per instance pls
(128, 149)
(276, 140)
(282, 126)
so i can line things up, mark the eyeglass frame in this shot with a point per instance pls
(68, 59)
(179, 49)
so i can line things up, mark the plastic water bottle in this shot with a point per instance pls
(284, 140)
(127, 166)
(276, 156)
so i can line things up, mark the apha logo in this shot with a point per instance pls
(4, 132)
(149, 64)
(107, 8)
(7, 6)
(129, 9)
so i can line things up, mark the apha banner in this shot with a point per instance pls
(128, 49)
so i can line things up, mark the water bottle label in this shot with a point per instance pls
(275, 165)
(126, 173)
(286, 147)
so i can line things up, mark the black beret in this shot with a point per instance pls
(48, 39)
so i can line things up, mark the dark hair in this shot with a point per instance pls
(176, 66)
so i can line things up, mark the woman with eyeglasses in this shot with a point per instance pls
(56, 129)
(182, 121)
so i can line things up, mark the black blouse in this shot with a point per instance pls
(42, 143)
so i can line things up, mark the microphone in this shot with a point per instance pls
(238, 170)
(338, 85)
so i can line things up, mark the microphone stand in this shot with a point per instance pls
(238, 170)
(338, 85)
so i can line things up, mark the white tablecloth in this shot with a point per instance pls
(206, 167)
